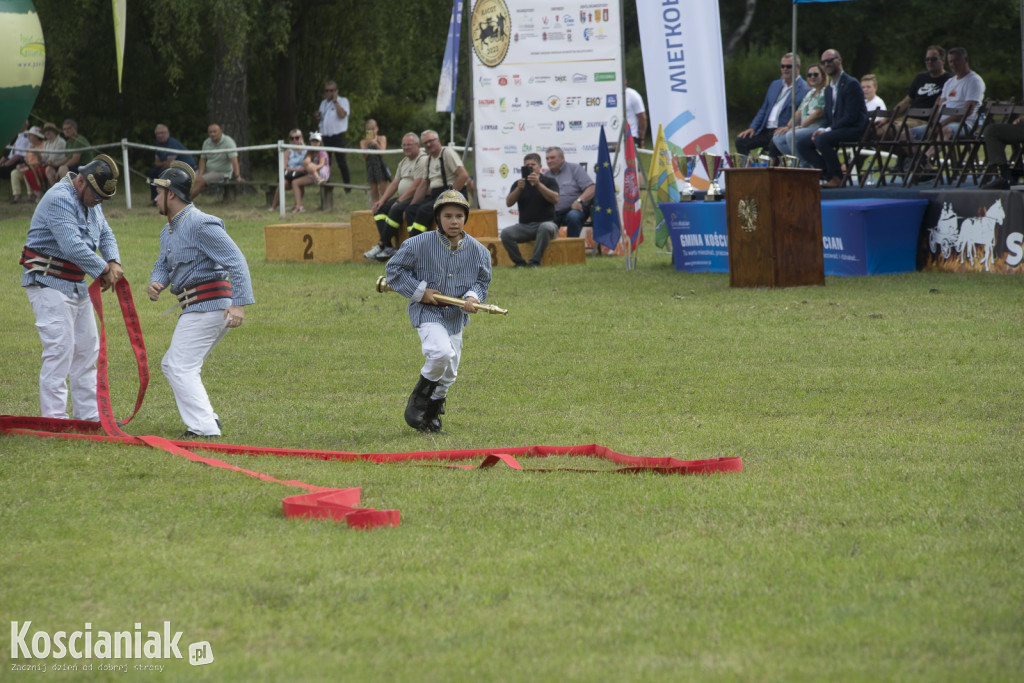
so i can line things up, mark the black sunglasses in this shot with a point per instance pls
(787, 67)
(829, 60)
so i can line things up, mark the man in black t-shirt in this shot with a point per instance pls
(926, 87)
(536, 196)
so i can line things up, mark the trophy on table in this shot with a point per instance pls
(737, 160)
(685, 164)
(789, 161)
(712, 166)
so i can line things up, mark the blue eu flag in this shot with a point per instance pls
(607, 224)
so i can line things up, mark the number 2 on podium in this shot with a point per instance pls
(307, 254)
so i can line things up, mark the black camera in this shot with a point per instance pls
(527, 170)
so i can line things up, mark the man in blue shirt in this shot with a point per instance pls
(60, 250)
(776, 109)
(448, 262)
(208, 274)
(164, 158)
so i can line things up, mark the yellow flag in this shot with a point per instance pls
(663, 178)
(120, 7)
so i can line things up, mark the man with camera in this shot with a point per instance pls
(535, 196)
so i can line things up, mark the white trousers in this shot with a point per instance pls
(71, 345)
(442, 353)
(194, 338)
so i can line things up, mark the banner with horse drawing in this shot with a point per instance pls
(967, 232)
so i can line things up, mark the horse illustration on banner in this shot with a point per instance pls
(944, 235)
(981, 232)
(969, 235)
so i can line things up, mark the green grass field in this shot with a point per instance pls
(874, 534)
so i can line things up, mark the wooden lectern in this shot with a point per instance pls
(773, 216)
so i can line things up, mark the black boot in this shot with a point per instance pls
(1002, 181)
(432, 419)
(418, 404)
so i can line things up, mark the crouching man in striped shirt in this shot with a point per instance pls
(60, 250)
(208, 274)
(450, 263)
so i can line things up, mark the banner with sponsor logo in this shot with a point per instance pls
(543, 76)
(967, 232)
(681, 41)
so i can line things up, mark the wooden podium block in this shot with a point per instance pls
(562, 251)
(773, 219)
(482, 223)
(364, 231)
(309, 242)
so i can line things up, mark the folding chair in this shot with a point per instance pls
(880, 123)
(1014, 158)
(894, 148)
(968, 158)
(934, 143)
(950, 149)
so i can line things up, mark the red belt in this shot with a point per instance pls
(215, 289)
(49, 265)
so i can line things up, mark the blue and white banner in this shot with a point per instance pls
(681, 41)
(450, 65)
(543, 76)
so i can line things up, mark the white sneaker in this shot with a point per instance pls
(372, 254)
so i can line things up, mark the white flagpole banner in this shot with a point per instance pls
(681, 41)
(543, 76)
(450, 64)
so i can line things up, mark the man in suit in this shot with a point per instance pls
(776, 109)
(846, 117)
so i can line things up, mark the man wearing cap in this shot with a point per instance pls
(448, 262)
(60, 250)
(208, 274)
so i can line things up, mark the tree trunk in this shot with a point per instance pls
(228, 101)
(741, 31)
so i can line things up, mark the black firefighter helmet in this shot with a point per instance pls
(101, 174)
(177, 178)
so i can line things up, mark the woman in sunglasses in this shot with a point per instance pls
(295, 175)
(808, 116)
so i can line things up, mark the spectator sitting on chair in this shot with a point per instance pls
(31, 172)
(317, 162)
(219, 160)
(76, 146)
(869, 86)
(965, 89)
(13, 158)
(575, 190)
(410, 176)
(997, 137)
(808, 115)
(295, 174)
(162, 160)
(926, 87)
(444, 169)
(776, 108)
(54, 155)
(536, 196)
(846, 116)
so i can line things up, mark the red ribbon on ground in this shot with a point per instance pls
(320, 502)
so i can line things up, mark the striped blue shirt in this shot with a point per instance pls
(63, 228)
(428, 260)
(195, 248)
